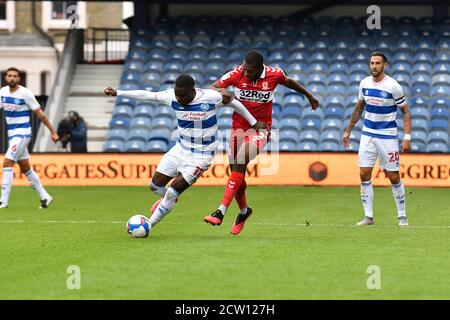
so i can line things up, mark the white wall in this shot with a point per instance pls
(32, 60)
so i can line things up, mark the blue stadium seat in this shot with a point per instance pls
(418, 136)
(440, 79)
(140, 122)
(420, 102)
(440, 90)
(318, 68)
(307, 146)
(135, 146)
(319, 78)
(420, 112)
(297, 67)
(194, 66)
(441, 68)
(137, 55)
(218, 54)
(439, 124)
(294, 99)
(440, 136)
(278, 55)
(173, 66)
(143, 111)
(311, 124)
(138, 135)
(151, 76)
(419, 124)
(402, 57)
(130, 76)
(418, 147)
(337, 89)
(307, 113)
(355, 79)
(288, 136)
(336, 112)
(292, 111)
(177, 54)
(169, 77)
(114, 146)
(401, 68)
(437, 148)
(329, 146)
(129, 86)
(422, 68)
(290, 124)
(121, 100)
(359, 68)
(440, 113)
(156, 146)
(319, 57)
(119, 122)
(309, 136)
(421, 79)
(298, 56)
(420, 89)
(335, 101)
(338, 79)
(355, 136)
(163, 134)
(334, 124)
(441, 102)
(288, 146)
(125, 111)
(330, 136)
(117, 134)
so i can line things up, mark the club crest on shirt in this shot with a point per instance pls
(16, 101)
(265, 85)
(384, 94)
(204, 106)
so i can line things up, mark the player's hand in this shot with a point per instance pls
(55, 137)
(226, 96)
(313, 102)
(110, 92)
(260, 126)
(346, 139)
(406, 146)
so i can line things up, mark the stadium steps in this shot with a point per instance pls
(86, 97)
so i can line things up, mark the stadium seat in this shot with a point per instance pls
(330, 136)
(163, 134)
(437, 148)
(140, 122)
(440, 113)
(135, 146)
(138, 135)
(439, 124)
(418, 147)
(311, 124)
(309, 136)
(335, 124)
(418, 136)
(143, 110)
(288, 136)
(419, 124)
(329, 146)
(287, 146)
(118, 134)
(156, 146)
(292, 111)
(336, 112)
(307, 146)
(440, 90)
(114, 146)
(125, 111)
(307, 113)
(420, 112)
(440, 136)
(119, 122)
(290, 124)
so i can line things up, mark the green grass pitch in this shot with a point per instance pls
(276, 256)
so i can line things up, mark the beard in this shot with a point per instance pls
(12, 84)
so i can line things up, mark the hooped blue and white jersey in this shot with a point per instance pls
(197, 121)
(382, 100)
(17, 107)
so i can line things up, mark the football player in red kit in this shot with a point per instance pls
(254, 85)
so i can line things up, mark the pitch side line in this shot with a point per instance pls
(256, 223)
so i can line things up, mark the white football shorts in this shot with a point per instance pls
(17, 149)
(178, 160)
(387, 150)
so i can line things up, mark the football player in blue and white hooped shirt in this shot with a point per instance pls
(381, 95)
(197, 127)
(17, 102)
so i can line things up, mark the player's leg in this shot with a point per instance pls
(189, 170)
(33, 178)
(13, 153)
(390, 161)
(165, 171)
(367, 156)
(178, 185)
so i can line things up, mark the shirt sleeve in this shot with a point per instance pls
(31, 101)
(214, 97)
(282, 76)
(360, 91)
(397, 94)
(242, 110)
(160, 96)
(228, 79)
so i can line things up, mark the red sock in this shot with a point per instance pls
(233, 184)
(240, 196)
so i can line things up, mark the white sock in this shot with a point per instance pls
(8, 177)
(398, 190)
(35, 182)
(243, 211)
(367, 198)
(165, 206)
(223, 209)
(160, 191)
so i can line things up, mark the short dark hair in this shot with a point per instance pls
(185, 81)
(13, 69)
(379, 54)
(254, 58)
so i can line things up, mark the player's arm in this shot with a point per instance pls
(242, 110)
(406, 144)
(41, 115)
(219, 87)
(356, 115)
(294, 85)
(135, 94)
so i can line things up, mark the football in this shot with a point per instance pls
(138, 226)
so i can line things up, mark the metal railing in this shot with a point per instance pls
(106, 45)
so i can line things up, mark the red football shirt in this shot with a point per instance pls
(255, 96)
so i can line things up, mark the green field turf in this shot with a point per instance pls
(275, 257)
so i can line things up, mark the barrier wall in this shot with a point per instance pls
(327, 169)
